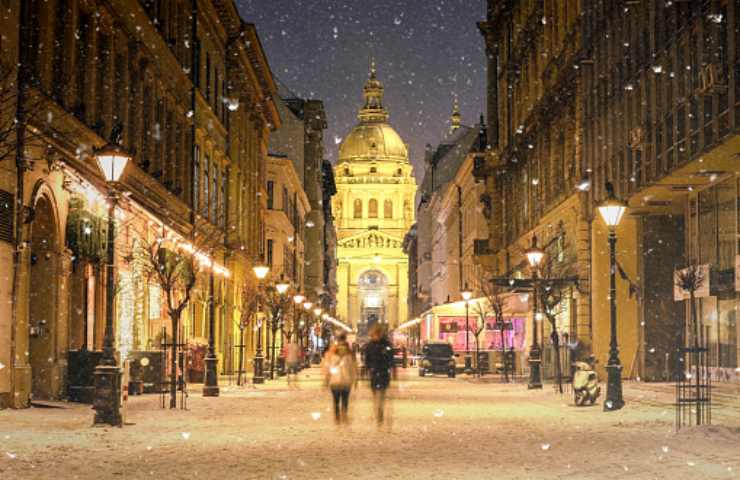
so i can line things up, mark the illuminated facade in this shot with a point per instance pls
(193, 106)
(644, 95)
(373, 210)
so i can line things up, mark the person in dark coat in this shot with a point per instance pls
(379, 363)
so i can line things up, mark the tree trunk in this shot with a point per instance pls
(173, 361)
(503, 353)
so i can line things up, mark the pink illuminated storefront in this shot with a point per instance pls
(447, 323)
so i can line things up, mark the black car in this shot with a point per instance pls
(437, 358)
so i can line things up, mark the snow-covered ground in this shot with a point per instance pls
(441, 429)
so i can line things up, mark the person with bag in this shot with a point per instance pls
(339, 369)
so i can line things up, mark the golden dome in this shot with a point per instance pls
(373, 138)
(373, 141)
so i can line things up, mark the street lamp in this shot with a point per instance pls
(112, 160)
(305, 326)
(467, 295)
(210, 385)
(260, 271)
(282, 288)
(534, 256)
(611, 212)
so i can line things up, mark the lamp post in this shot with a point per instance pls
(467, 295)
(282, 288)
(534, 257)
(260, 271)
(611, 212)
(112, 161)
(297, 301)
(210, 386)
(305, 325)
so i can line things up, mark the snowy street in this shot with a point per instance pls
(442, 429)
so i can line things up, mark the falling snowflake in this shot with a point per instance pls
(715, 17)
(665, 448)
(2, 365)
(545, 446)
(315, 415)
(439, 413)
(185, 435)
(10, 455)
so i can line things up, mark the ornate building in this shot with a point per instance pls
(186, 88)
(374, 208)
(642, 94)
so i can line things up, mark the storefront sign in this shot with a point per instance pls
(680, 294)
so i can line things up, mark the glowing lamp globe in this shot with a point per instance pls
(112, 161)
(261, 270)
(298, 298)
(317, 311)
(534, 254)
(282, 287)
(612, 211)
(307, 305)
(466, 294)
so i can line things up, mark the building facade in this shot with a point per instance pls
(373, 208)
(182, 91)
(640, 94)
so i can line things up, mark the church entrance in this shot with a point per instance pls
(373, 289)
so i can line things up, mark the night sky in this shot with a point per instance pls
(426, 51)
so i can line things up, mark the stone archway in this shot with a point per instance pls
(42, 302)
(373, 300)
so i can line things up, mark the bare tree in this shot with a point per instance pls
(479, 327)
(690, 280)
(557, 274)
(249, 306)
(276, 304)
(174, 266)
(26, 116)
(494, 295)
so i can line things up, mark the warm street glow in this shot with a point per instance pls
(112, 161)
(317, 311)
(534, 254)
(307, 305)
(282, 287)
(612, 211)
(261, 271)
(410, 323)
(298, 298)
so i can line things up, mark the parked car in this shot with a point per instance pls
(437, 357)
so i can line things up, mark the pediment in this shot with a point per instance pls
(371, 239)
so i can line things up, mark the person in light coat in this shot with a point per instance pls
(339, 369)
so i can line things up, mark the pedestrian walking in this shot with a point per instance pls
(379, 363)
(340, 375)
(292, 357)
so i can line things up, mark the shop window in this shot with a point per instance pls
(269, 252)
(388, 209)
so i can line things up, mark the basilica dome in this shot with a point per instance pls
(373, 139)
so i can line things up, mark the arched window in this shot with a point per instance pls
(372, 208)
(358, 208)
(388, 209)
